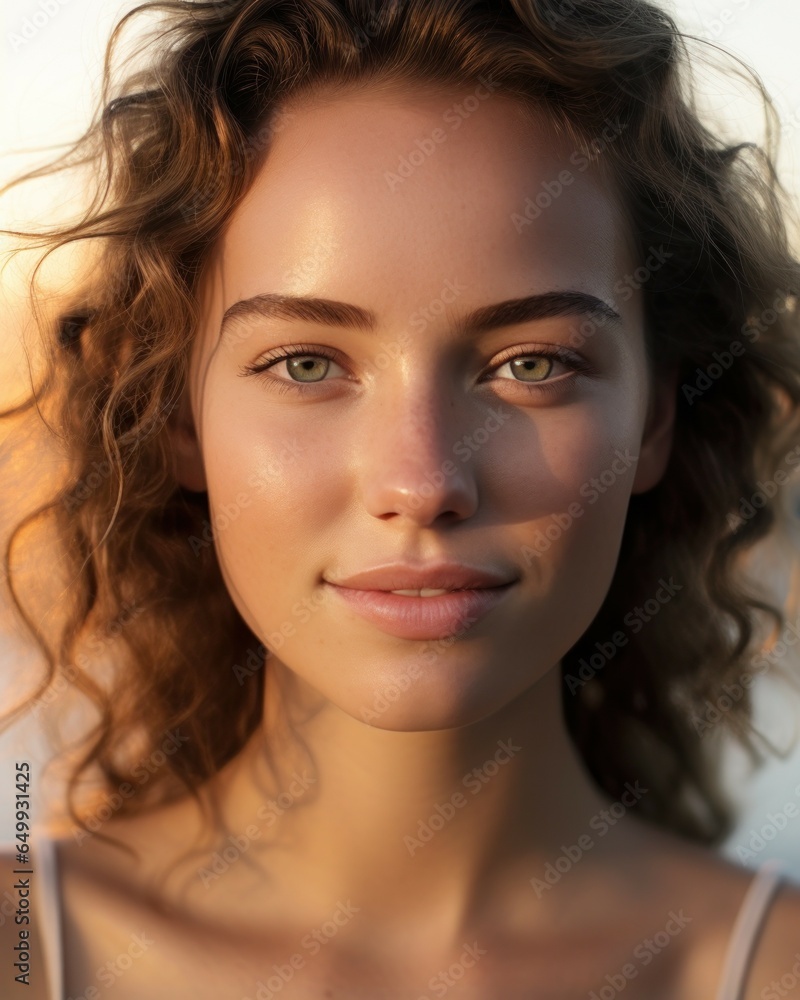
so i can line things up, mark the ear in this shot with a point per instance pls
(186, 451)
(656, 446)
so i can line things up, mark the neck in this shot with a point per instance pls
(414, 828)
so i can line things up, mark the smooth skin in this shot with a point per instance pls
(364, 734)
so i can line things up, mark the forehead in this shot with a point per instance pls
(399, 191)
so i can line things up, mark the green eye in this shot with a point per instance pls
(308, 368)
(531, 369)
(305, 366)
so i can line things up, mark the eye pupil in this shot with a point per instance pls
(306, 365)
(532, 366)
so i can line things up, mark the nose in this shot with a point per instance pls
(412, 467)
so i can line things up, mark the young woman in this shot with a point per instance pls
(416, 405)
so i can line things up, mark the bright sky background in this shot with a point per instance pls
(49, 80)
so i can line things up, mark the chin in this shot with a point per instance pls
(425, 720)
(454, 696)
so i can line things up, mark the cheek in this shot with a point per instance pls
(270, 495)
(578, 461)
(276, 459)
(568, 500)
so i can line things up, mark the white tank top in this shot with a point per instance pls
(739, 954)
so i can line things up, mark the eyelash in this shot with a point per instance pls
(260, 369)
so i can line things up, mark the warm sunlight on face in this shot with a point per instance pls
(405, 418)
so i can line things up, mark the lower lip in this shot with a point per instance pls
(422, 617)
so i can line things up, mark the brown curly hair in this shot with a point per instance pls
(172, 149)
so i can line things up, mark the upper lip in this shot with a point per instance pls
(434, 576)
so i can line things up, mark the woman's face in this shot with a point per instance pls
(408, 433)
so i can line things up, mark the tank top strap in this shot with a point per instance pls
(48, 917)
(749, 921)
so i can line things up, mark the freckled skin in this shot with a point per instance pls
(349, 497)
(332, 480)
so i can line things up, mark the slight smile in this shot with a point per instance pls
(411, 615)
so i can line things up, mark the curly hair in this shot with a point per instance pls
(173, 147)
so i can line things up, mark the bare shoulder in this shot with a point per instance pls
(138, 858)
(775, 967)
(712, 889)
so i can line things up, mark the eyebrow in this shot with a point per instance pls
(330, 312)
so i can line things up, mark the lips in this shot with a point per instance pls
(438, 576)
(425, 592)
(469, 594)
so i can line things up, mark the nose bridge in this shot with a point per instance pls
(411, 465)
